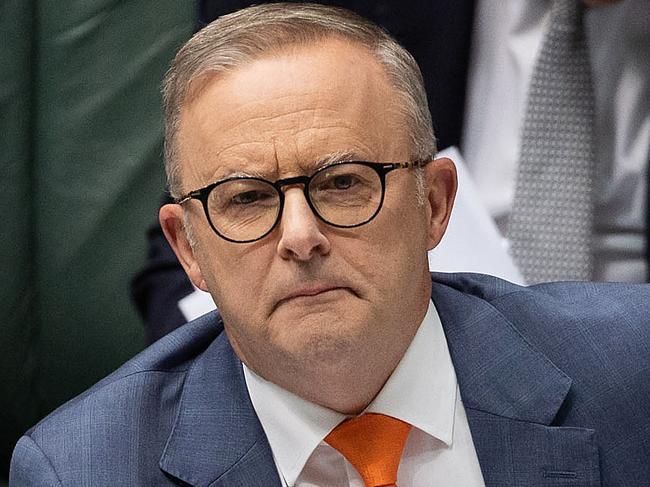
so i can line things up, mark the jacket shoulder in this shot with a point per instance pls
(598, 334)
(173, 354)
(572, 297)
(127, 416)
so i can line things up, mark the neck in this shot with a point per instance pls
(350, 381)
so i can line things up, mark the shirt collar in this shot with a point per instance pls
(421, 391)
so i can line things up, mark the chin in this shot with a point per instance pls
(320, 325)
(319, 343)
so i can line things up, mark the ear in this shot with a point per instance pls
(171, 221)
(441, 184)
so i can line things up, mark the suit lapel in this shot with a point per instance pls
(512, 394)
(217, 439)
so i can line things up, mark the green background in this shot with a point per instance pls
(82, 176)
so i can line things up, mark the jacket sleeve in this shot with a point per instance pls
(30, 466)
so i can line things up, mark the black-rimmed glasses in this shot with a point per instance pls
(345, 195)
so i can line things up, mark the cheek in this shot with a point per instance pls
(402, 250)
(376, 258)
(235, 275)
(402, 227)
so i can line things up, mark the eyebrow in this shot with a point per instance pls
(323, 161)
(336, 158)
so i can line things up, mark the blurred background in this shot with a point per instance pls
(82, 176)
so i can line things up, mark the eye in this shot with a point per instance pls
(344, 181)
(242, 195)
(249, 197)
(338, 182)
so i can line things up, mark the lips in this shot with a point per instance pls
(310, 291)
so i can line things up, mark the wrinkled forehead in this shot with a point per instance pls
(288, 110)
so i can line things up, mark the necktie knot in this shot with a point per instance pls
(373, 444)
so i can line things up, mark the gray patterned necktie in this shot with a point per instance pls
(551, 224)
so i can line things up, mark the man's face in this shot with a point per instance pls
(309, 302)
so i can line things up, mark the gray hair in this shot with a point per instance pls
(248, 34)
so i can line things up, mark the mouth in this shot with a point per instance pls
(312, 293)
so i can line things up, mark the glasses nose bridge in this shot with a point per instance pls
(282, 184)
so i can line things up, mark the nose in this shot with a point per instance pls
(300, 233)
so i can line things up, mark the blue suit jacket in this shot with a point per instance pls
(555, 380)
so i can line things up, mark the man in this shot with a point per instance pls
(420, 26)
(300, 151)
(506, 42)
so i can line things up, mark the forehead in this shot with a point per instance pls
(283, 113)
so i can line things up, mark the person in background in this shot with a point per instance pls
(302, 161)
(509, 38)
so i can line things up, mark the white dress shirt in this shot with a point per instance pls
(422, 391)
(507, 36)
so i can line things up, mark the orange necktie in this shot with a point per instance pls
(373, 444)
